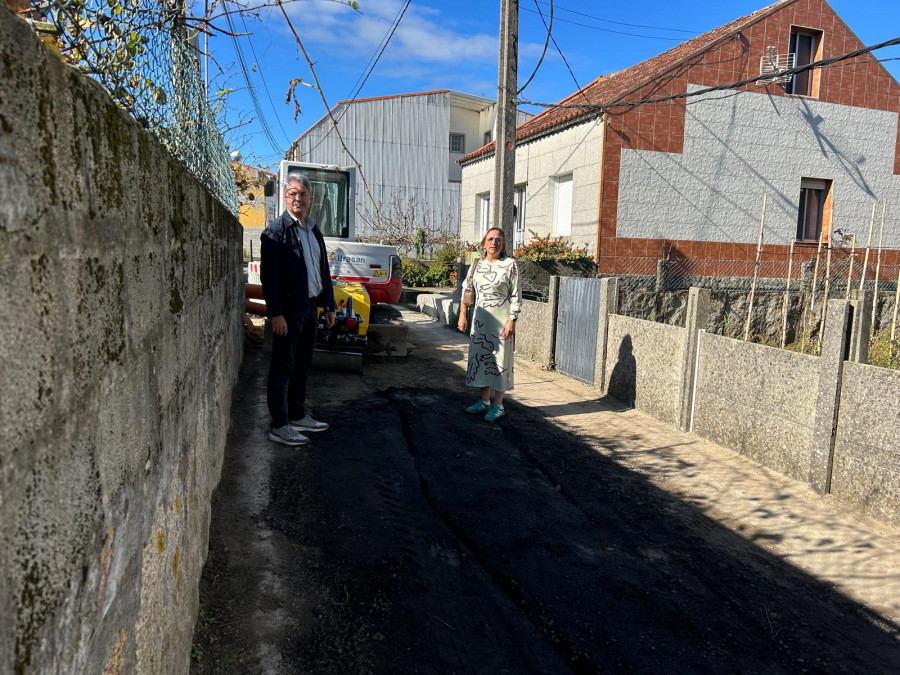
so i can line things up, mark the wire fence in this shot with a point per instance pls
(788, 298)
(840, 276)
(143, 54)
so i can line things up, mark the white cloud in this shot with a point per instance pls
(425, 34)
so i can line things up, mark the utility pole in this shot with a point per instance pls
(505, 143)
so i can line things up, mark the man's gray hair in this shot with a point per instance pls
(297, 177)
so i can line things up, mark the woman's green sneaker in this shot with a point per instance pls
(480, 407)
(495, 413)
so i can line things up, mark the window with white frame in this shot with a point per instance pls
(483, 212)
(562, 206)
(457, 143)
(519, 216)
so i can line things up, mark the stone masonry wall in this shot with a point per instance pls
(642, 365)
(534, 333)
(757, 400)
(866, 457)
(120, 276)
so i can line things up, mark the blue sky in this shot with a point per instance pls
(453, 45)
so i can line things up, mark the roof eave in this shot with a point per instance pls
(549, 131)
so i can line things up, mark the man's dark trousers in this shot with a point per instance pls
(291, 359)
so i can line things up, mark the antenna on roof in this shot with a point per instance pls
(771, 65)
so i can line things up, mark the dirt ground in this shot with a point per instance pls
(572, 536)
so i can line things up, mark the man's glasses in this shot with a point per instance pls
(295, 196)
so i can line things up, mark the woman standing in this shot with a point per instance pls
(498, 301)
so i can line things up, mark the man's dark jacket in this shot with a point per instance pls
(283, 272)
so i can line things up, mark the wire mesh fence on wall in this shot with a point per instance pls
(142, 53)
(774, 302)
(839, 275)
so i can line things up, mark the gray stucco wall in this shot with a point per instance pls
(534, 332)
(121, 277)
(757, 400)
(866, 469)
(642, 365)
(737, 148)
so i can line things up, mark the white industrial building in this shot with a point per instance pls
(407, 146)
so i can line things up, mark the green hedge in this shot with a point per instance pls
(432, 273)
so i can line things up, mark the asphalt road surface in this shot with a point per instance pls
(413, 538)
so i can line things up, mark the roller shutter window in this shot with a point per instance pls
(484, 212)
(562, 216)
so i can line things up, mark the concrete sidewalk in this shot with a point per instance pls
(855, 554)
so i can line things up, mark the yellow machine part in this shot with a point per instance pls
(352, 301)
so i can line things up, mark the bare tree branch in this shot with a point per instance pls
(340, 136)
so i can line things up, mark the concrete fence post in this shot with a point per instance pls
(553, 301)
(662, 275)
(831, 363)
(863, 304)
(696, 318)
(609, 303)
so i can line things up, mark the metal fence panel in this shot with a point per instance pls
(576, 327)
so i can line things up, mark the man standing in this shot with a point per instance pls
(295, 280)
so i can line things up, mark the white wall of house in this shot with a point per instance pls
(539, 164)
(740, 147)
(467, 123)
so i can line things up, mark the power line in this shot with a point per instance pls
(374, 62)
(546, 43)
(263, 80)
(262, 119)
(559, 51)
(620, 23)
(383, 47)
(389, 33)
(610, 30)
(740, 83)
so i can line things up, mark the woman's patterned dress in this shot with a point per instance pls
(497, 299)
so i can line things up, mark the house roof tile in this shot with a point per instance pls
(617, 86)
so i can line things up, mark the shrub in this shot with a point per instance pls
(439, 272)
(550, 248)
(413, 273)
(883, 352)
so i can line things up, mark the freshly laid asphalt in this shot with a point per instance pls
(572, 536)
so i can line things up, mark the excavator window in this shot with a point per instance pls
(330, 205)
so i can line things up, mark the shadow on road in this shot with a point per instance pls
(414, 538)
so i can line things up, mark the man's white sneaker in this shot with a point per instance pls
(309, 424)
(287, 435)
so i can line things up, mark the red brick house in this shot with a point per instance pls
(686, 177)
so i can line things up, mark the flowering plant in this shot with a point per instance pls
(550, 248)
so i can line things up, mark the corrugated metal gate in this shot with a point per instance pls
(576, 327)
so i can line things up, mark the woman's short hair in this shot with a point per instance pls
(495, 229)
(297, 177)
